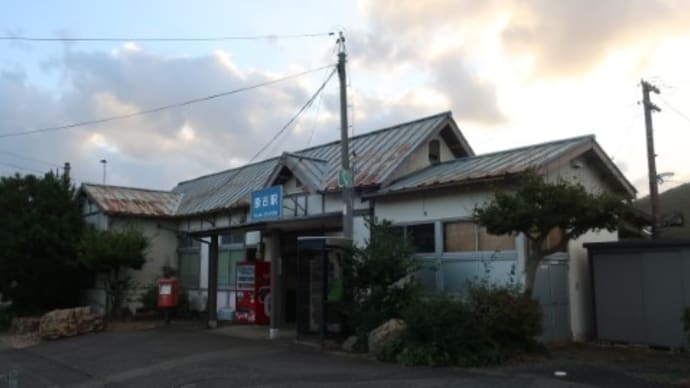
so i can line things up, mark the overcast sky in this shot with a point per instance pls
(513, 73)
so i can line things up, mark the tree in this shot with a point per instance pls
(537, 207)
(42, 225)
(108, 253)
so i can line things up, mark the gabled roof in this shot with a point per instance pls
(377, 155)
(499, 164)
(310, 171)
(130, 201)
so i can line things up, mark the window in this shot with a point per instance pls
(189, 269)
(459, 237)
(434, 151)
(232, 238)
(189, 242)
(553, 238)
(421, 237)
(227, 259)
(465, 236)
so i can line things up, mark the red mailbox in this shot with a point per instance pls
(168, 293)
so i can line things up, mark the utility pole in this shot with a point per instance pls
(345, 176)
(649, 107)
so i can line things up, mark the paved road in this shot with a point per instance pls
(190, 357)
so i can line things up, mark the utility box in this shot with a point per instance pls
(168, 293)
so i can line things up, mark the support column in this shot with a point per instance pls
(211, 301)
(272, 243)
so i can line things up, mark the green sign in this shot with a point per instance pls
(345, 178)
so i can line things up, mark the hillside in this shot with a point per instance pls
(671, 201)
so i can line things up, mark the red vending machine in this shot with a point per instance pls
(253, 297)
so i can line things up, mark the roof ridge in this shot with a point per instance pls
(129, 188)
(376, 131)
(522, 148)
(228, 170)
(299, 152)
(474, 157)
(294, 155)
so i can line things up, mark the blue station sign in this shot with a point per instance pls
(267, 204)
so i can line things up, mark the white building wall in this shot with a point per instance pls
(579, 279)
(430, 205)
(420, 158)
(162, 250)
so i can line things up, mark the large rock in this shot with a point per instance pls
(69, 322)
(25, 325)
(387, 332)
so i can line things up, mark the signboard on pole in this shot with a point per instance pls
(267, 204)
(345, 178)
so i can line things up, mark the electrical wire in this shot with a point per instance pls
(161, 39)
(158, 109)
(295, 116)
(292, 119)
(673, 108)
(16, 155)
(21, 168)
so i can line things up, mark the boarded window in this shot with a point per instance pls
(492, 242)
(466, 236)
(553, 238)
(459, 237)
(227, 260)
(189, 269)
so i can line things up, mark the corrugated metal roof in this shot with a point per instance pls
(118, 200)
(488, 165)
(377, 155)
(224, 189)
(309, 170)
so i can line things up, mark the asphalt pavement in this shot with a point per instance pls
(194, 357)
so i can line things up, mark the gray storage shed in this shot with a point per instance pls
(640, 291)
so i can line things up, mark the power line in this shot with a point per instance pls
(21, 167)
(157, 109)
(296, 115)
(161, 39)
(16, 155)
(673, 108)
(277, 134)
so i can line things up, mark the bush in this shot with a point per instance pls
(492, 324)
(444, 331)
(509, 318)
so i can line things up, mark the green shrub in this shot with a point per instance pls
(507, 317)
(443, 331)
(492, 324)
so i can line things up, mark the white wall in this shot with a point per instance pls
(430, 205)
(420, 158)
(580, 282)
(162, 250)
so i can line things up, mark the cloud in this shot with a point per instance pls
(159, 149)
(571, 37)
(423, 45)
